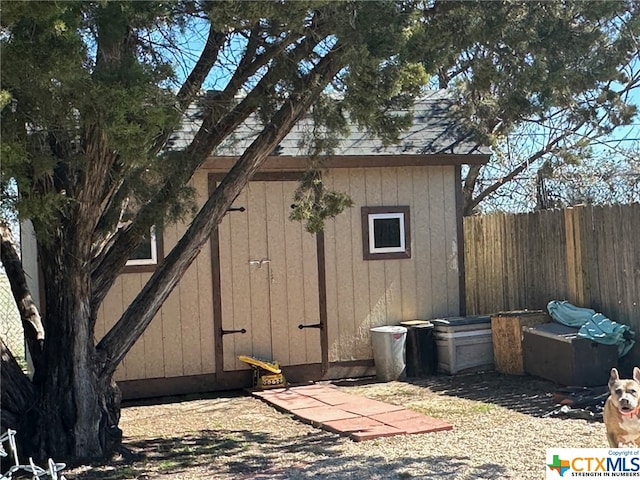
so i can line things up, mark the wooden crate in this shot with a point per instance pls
(506, 332)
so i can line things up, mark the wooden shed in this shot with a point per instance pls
(265, 287)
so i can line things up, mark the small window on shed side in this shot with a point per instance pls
(147, 255)
(386, 233)
(147, 252)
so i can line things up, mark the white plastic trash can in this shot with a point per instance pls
(388, 351)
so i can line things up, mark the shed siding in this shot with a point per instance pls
(236, 310)
(362, 294)
(179, 341)
(282, 308)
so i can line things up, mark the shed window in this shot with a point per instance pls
(385, 233)
(147, 251)
(147, 255)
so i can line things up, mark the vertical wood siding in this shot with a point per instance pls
(179, 340)
(362, 294)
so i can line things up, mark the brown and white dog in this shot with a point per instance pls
(622, 410)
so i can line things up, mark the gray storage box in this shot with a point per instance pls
(464, 344)
(554, 352)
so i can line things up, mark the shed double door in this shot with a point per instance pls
(268, 281)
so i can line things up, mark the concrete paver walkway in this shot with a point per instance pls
(357, 417)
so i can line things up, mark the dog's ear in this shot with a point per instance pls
(636, 374)
(615, 376)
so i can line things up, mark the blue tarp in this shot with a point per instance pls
(592, 325)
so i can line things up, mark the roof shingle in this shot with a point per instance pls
(433, 131)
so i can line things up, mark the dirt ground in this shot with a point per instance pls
(501, 431)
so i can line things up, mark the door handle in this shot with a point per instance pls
(260, 262)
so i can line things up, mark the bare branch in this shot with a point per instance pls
(550, 147)
(194, 81)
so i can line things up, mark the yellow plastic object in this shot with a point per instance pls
(272, 367)
(262, 380)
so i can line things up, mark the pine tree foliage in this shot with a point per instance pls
(93, 93)
(559, 76)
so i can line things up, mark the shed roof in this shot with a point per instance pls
(434, 131)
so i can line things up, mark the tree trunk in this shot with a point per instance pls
(17, 397)
(76, 404)
(72, 414)
(78, 408)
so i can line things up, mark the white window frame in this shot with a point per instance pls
(372, 241)
(369, 216)
(153, 260)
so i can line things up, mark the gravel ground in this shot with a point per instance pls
(499, 433)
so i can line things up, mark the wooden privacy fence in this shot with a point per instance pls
(587, 255)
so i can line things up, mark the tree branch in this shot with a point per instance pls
(248, 66)
(17, 394)
(470, 181)
(551, 146)
(31, 322)
(217, 126)
(521, 167)
(193, 83)
(117, 342)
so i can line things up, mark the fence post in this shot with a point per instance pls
(577, 265)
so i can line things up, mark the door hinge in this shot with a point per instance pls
(227, 332)
(310, 325)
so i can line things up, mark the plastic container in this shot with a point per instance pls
(464, 344)
(555, 352)
(466, 351)
(421, 351)
(388, 344)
